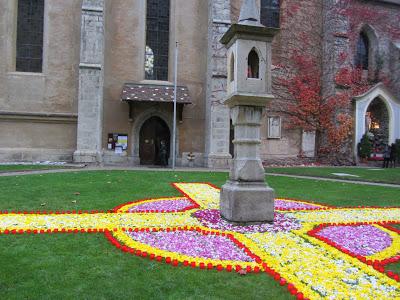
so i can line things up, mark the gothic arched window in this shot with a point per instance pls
(157, 39)
(29, 54)
(270, 13)
(253, 64)
(362, 54)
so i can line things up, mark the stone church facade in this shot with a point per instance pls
(92, 80)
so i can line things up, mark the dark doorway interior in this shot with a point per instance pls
(377, 124)
(153, 132)
(231, 138)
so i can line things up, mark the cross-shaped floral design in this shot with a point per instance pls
(316, 251)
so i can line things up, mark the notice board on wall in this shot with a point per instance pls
(117, 142)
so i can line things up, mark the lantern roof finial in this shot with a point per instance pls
(249, 13)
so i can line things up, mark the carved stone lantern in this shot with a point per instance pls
(245, 198)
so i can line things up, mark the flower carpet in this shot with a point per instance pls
(314, 251)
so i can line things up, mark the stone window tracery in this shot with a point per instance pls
(362, 54)
(270, 11)
(157, 39)
(29, 47)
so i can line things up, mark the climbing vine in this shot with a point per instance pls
(315, 88)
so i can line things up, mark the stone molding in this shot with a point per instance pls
(39, 117)
(92, 8)
(90, 66)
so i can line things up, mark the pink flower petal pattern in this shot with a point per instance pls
(294, 205)
(164, 205)
(362, 240)
(211, 218)
(194, 244)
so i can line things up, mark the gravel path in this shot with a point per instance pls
(336, 180)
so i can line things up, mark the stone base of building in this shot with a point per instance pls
(87, 157)
(33, 155)
(288, 161)
(247, 202)
(112, 158)
(192, 159)
(218, 161)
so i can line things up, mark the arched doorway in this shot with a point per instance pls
(377, 125)
(152, 134)
(378, 98)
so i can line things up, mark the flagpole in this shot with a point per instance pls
(175, 96)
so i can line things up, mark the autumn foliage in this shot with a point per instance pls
(310, 110)
(300, 73)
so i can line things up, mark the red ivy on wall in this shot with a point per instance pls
(307, 106)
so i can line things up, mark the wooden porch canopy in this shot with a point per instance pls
(132, 92)
(154, 93)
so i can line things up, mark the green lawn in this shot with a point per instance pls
(87, 266)
(18, 168)
(391, 175)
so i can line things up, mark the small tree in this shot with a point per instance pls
(364, 147)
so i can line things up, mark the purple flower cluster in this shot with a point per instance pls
(192, 243)
(288, 205)
(163, 205)
(211, 218)
(361, 240)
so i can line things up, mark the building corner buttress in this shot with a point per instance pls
(217, 129)
(91, 76)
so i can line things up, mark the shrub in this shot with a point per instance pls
(364, 147)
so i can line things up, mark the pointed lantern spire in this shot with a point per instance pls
(249, 13)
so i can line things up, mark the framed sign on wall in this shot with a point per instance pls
(274, 127)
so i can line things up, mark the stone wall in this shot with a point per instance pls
(381, 22)
(124, 62)
(343, 23)
(38, 111)
(37, 138)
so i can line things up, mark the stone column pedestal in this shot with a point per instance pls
(245, 198)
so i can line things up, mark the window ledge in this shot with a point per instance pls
(158, 82)
(26, 74)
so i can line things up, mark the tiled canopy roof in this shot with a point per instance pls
(154, 93)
